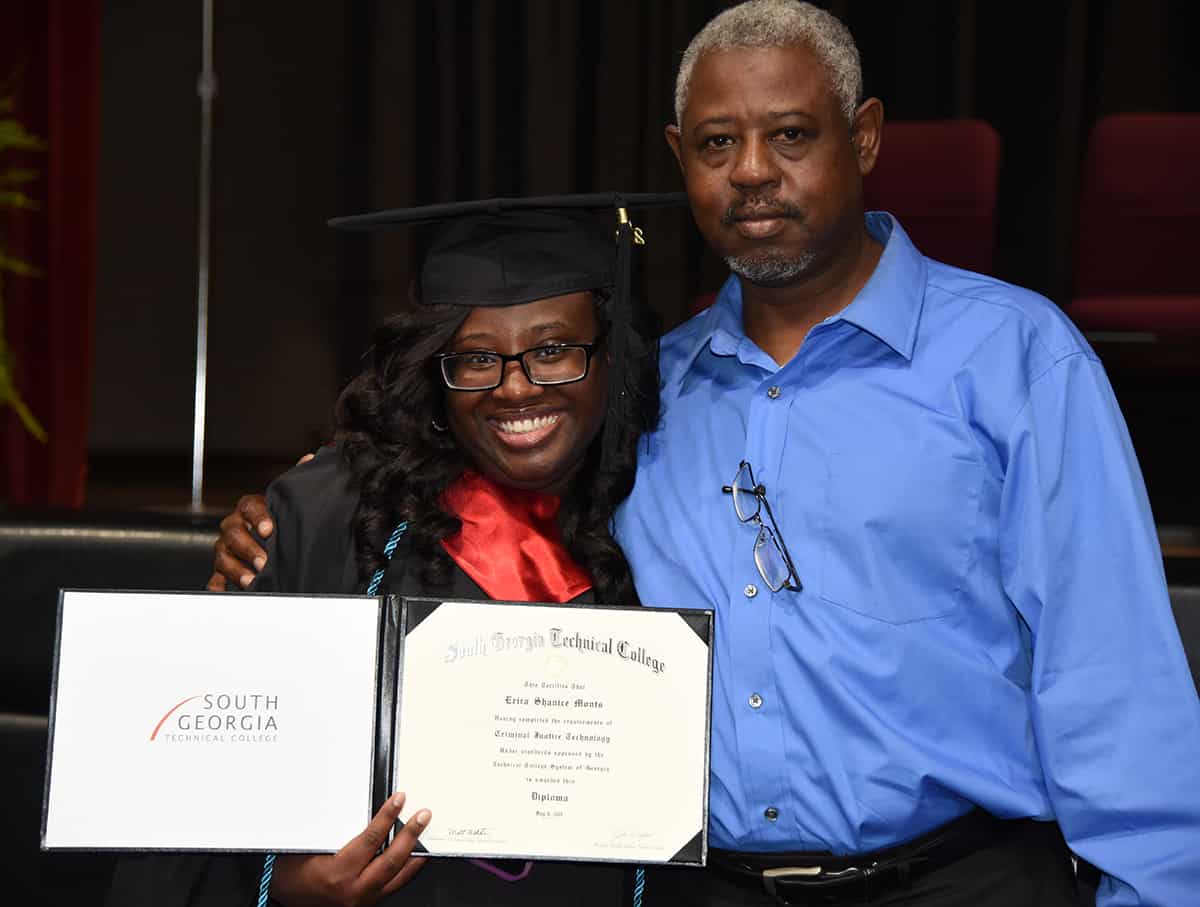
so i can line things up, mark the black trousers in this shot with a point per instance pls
(1031, 869)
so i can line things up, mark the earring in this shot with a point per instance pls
(438, 426)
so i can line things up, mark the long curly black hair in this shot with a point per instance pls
(403, 465)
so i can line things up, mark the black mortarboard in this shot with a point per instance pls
(508, 251)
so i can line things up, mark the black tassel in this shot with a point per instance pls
(620, 402)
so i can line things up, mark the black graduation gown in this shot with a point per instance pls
(312, 551)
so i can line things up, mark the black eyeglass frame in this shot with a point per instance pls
(589, 350)
(792, 581)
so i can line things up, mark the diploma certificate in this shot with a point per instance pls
(555, 732)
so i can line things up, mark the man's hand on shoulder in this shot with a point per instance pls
(237, 557)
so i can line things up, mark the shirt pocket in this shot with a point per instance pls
(898, 533)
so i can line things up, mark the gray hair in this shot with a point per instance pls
(779, 23)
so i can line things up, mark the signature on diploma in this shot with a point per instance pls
(631, 839)
(469, 831)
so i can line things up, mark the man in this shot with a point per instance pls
(909, 495)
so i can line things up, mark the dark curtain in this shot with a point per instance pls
(49, 49)
(492, 97)
(475, 98)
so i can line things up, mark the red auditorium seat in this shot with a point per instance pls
(938, 177)
(1139, 226)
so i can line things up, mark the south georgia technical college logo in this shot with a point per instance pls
(220, 718)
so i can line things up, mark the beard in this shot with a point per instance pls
(773, 268)
(769, 267)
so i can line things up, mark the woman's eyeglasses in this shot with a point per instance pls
(483, 370)
(770, 553)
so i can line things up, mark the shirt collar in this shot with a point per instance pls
(887, 307)
(889, 304)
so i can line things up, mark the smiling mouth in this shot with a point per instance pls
(526, 432)
(525, 426)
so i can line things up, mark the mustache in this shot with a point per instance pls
(756, 208)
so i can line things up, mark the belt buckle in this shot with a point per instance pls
(787, 873)
(811, 877)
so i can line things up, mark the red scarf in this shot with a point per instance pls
(510, 543)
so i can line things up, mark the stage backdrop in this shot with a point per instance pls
(49, 69)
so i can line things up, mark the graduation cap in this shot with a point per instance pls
(509, 251)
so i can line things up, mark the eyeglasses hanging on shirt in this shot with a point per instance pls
(770, 553)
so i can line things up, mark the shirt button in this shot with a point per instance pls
(773, 392)
(750, 591)
(755, 701)
(771, 813)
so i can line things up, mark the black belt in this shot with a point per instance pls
(810, 877)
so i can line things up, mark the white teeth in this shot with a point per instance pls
(523, 426)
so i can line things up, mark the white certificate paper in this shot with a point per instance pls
(212, 722)
(555, 732)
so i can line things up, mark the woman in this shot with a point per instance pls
(494, 431)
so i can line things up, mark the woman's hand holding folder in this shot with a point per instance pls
(361, 873)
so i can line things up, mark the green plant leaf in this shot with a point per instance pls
(15, 176)
(16, 266)
(28, 419)
(9, 396)
(14, 135)
(13, 199)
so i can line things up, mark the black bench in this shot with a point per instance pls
(39, 553)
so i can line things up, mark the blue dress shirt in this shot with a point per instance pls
(983, 619)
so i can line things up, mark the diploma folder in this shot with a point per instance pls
(280, 723)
